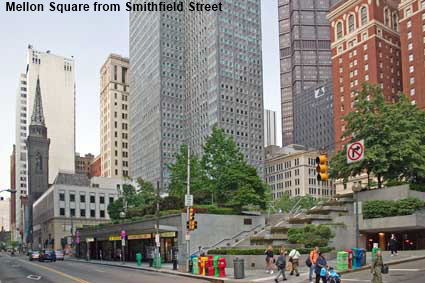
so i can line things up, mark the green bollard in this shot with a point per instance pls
(139, 259)
(216, 269)
(157, 262)
(195, 265)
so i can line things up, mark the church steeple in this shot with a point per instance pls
(37, 117)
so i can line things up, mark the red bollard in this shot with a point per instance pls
(200, 265)
(222, 266)
(210, 265)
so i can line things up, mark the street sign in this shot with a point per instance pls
(187, 237)
(158, 243)
(123, 234)
(188, 200)
(123, 242)
(355, 151)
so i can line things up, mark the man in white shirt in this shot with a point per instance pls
(294, 257)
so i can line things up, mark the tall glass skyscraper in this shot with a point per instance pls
(191, 71)
(305, 53)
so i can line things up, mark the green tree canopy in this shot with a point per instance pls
(393, 134)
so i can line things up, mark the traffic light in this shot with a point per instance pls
(322, 168)
(191, 224)
(191, 214)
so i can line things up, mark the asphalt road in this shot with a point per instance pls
(20, 270)
(411, 272)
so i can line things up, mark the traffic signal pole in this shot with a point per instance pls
(187, 208)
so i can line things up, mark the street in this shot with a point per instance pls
(20, 270)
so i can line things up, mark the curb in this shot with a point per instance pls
(205, 278)
(366, 267)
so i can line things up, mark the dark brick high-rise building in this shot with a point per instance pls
(365, 48)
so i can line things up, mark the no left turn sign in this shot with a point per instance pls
(355, 151)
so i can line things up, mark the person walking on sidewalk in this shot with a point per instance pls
(321, 268)
(269, 259)
(314, 254)
(376, 268)
(294, 257)
(393, 245)
(281, 265)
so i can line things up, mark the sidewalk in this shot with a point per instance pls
(252, 276)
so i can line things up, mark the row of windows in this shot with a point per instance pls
(82, 212)
(83, 198)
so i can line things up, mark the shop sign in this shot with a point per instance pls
(168, 234)
(114, 238)
(139, 236)
(88, 240)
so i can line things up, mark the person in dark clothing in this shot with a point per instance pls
(269, 259)
(281, 265)
(393, 243)
(320, 263)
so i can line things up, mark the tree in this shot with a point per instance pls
(311, 235)
(178, 180)
(393, 134)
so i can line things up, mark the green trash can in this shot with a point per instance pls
(216, 269)
(139, 259)
(157, 262)
(195, 266)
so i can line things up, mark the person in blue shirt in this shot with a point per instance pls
(333, 277)
(321, 263)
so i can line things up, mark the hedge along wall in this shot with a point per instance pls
(389, 208)
(260, 251)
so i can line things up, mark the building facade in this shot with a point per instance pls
(38, 161)
(365, 48)
(82, 164)
(13, 194)
(269, 128)
(96, 167)
(412, 37)
(292, 170)
(114, 128)
(71, 202)
(313, 117)
(5, 214)
(191, 72)
(305, 54)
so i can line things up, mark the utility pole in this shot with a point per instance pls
(188, 207)
(157, 239)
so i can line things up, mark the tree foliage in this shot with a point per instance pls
(388, 208)
(286, 202)
(394, 137)
(311, 235)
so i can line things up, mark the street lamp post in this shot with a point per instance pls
(357, 187)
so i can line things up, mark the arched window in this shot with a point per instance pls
(351, 24)
(363, 15)
(339, 32)
(387, 17)
(395, 21)
(38, 162)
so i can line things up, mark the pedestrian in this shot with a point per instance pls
(314, 254)
(376, 268)
(393, 245)
(321, 268)
(281, 265)
(269, 259)
(294, 257)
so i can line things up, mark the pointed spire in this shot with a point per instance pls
(37, 117)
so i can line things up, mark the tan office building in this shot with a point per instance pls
(292, 169)
(114, 91)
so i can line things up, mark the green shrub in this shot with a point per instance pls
(260, 251)
(417, 187)
(389, 208)
(310, 235)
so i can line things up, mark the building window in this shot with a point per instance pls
(412, 80)
(62, 211)
(410, 57)
(422, 4)
(111, 200)
(339, 32)
(62, 196)
(363, 15)
(395, 21)
(82, 212)
(92, 213)
(72, 211)
(408, 12)
(409, 35)
(409, 24)
(411, 69)
(102, 214)
(82, 198)
(387, 17)
(412, 91)
(102, 199)
(92, 199)
(72, 198)
(351, 24)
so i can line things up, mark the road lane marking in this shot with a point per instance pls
(57, 272)
(401, 269)
(98, 270)
(357, 280)
(273, 277)
(34, 277)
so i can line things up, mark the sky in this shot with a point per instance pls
(90, 37)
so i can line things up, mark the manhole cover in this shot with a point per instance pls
(34, 277)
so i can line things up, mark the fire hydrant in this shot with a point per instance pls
(222, 266)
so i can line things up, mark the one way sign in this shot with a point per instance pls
(355, 151)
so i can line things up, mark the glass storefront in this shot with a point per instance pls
(407, 240)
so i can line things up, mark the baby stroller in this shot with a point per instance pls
(333, 277)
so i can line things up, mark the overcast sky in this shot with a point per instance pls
(90, 37)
